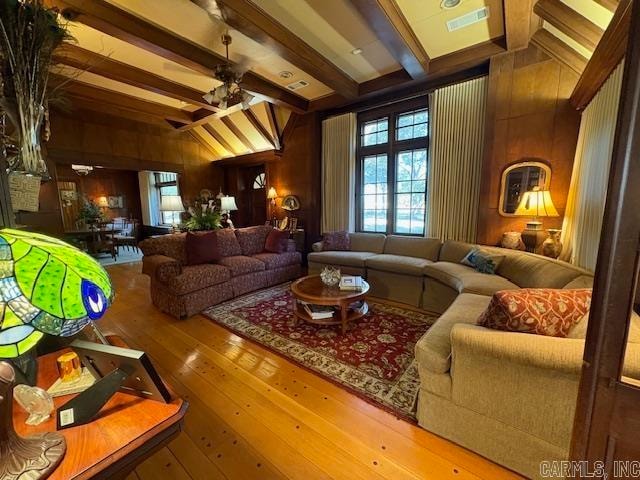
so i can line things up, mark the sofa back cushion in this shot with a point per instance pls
(367, 242)
(427, 248)
(172, 245)
(228, 244)
(277, 241)
(202, 247)
(252, 239)
(339, 241)
(527, 270)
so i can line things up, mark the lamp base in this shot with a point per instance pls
(533, 238)
(29, 458)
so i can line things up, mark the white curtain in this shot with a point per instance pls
(588, 190)
(338, 172)
(455, 159)
(149, 198)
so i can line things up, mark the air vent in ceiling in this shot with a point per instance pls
(468, 19)
(297, 85)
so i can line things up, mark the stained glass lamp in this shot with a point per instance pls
(46, 286)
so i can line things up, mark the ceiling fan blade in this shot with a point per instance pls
(211, 7)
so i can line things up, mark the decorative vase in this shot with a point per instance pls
(330, 276)
(552, 246)
(512, 240)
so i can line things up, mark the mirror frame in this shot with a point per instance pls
(512, 167)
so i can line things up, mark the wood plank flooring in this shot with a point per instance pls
(255, 415)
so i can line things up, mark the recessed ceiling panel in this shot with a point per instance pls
(429, 22)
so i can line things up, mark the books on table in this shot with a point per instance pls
(351, 283)
(318, 312)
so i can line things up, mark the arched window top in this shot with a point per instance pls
(260, 181)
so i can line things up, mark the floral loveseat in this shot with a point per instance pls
(183, 290)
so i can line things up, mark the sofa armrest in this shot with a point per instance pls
(560, 354)
(317, 247)
(162, 268)
(291, 245)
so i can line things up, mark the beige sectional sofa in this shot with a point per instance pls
(507, 396)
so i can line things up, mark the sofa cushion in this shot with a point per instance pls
(172, 245)
(197, 277)
(398, 264)
(277, 241)
(541, 311)
(433, 350)
(336, 241)
(453, 251)
(228, 244)
(202, 248)
(466, 280)
(367, 242)
(241, 265)
(351, 259)
(427, 248)
(252, 239)
(278, 260)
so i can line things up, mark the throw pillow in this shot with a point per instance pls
(202, 248)
(252, 239)
(277, 241)
(542, 311)
(483, 261)
(336, 241)
(228, 243)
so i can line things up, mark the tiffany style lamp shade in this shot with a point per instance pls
(46, 286)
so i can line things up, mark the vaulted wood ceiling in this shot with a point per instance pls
(152, 60)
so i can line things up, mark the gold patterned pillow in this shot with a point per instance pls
(542, 311)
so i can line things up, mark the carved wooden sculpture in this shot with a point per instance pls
(30, 458)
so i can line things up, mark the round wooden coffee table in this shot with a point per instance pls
(311, 290)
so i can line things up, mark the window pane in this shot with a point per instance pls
(369, 188)
(369, 170)
(404, 166)
(369, 220)
(375, 132)
(169, 190)
(381, 169)
(402, 219)
(403, 200)
(403, 187)
(412, 125)
(411, 176)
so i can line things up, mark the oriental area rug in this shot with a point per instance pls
(374, 359)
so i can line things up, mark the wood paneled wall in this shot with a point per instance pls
(294, 171)
(112, 142)
(528, 116)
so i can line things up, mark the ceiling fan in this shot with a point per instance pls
(230, 75)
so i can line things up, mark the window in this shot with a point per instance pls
(167, 184)
(392, 168)
(260, 181)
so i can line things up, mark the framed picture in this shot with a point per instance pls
(283, 223)
(116, 201)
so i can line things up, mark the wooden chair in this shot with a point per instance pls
(128, 237)
(104, 243)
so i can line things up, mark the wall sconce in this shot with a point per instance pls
(272, 195)
(103, 202)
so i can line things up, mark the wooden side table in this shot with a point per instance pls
(299, 236)
(127, 431)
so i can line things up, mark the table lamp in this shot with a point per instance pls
(535, 203)
(227, 205)
(272, 195)
(46, 286)
(172, 203)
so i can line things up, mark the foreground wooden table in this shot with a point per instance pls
(127, 430)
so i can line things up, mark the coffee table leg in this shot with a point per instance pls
(344, 312)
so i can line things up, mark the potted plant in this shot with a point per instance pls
(203, 215)
(29, 34)
(90, 213)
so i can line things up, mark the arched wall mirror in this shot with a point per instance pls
(519, 178)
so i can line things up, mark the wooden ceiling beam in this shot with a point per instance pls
(238, 133)
(610, 5)
(74, 56)
(118, 23)
(220, 139)
(259, 127)
(250, 20)
(569, 22)
(517, 23)
(273, 123)
(203, 143)
(560, 51)
(386, 19)
(82, 90)
(608, 54)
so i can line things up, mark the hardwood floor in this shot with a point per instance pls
(255, 415)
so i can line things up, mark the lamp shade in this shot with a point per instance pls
(272, 194)
(536, 203)
(46, 286)
(103, 202)
(228, 204)
(171, 203)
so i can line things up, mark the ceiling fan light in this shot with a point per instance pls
(223, 104)
(209, 97)
(222, 91)
(246, 100)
